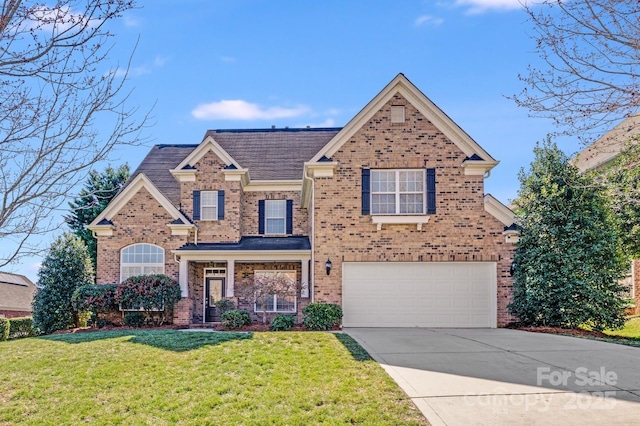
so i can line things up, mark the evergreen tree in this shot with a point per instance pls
(99, 189)
(567, 263)
(66, 267)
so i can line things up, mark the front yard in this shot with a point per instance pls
(173, 377)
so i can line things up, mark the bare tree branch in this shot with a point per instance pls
(57, 94)
(591, 54)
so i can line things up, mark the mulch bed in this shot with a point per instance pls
(565, 331)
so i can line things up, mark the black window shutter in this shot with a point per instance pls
(196, 205)
(366, 191)
(289, 217)
(431, 191)
(220, 205)
(260, 216)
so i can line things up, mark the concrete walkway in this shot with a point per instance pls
(509, 377)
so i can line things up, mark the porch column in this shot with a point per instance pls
(231, 265)
(305, 278)
(183, 277)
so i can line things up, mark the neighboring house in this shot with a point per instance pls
(16, 295)
(598, 156)
(386, 216)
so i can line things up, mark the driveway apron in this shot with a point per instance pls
(509, 377)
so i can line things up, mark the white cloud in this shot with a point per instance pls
(243, 110)
(132, 72)
(481, 6)
(130, 21)
(227, 59)
(428, 20)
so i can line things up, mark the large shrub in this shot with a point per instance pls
(567, 263)
(235, 318)
(322, 316)
(96, 299)
(66, 267)
(154, 294)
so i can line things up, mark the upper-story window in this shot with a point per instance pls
(275, 217)
(208, 205)
(398, 192)
(141, 259)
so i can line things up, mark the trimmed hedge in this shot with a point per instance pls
(21, 327)
(235, 318)
(4, 329)
(322, 316)
(13, 328)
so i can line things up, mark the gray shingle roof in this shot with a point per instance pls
(255, 243)
(16, 292)
(269, 154)
(156, 166)
(273, 154)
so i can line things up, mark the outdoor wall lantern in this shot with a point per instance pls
(327, 265)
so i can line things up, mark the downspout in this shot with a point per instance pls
(312, 219)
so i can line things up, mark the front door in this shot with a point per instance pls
(213, 291)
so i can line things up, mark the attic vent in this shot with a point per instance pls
(397, 114)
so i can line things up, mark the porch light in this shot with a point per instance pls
(327, 265)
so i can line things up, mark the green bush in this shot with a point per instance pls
(153, 293)
(322, 316)
(21, 327)
(4, 329)
(224, 305)
(66, 267)
(134, 319)
(95, 298)
(282, 322)
(235, 318)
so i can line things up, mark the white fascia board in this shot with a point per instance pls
(478, 167)
(188, 175)
(237, 175)
(274, 185)
(208, 144)
(498, 210)
(102, 230)
(320, 169)
(240, 256)
(400, 84)
(140, 181)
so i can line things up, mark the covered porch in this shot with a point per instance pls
(210, 272)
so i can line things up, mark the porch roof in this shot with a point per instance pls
(252, 244)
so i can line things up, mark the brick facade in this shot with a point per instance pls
(462, 230)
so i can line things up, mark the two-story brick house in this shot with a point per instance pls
(386, 216)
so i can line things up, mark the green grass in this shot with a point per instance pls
(164, 377)
(631, 330)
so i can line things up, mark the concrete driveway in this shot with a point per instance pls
(509, 377)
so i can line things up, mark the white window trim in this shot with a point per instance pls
(142, 265)
(213, 205)
(397, 193)
(266, 218)
(275, 300)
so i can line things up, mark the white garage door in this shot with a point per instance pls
(434, 294)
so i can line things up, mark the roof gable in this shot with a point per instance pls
(139, 182)
(209, 144)
(400, 84)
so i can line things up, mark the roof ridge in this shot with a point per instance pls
(277, 129)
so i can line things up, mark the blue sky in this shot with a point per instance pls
(203, 64)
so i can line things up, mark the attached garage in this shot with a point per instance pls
(412, 294)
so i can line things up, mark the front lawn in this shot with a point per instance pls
(165, 377)
(631, 330)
